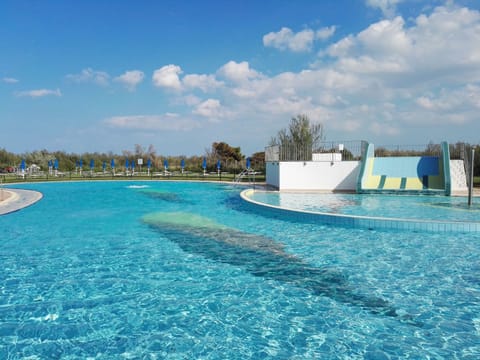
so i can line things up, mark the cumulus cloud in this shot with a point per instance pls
(210, 108)
(385, 80)
(169, 121)
(325, 33)
(388, 7)
(89, 75)
(202, 82)
(9, 80)
(130, 79)
(286, 39)
(302, 41)
(168, 77)
(38, 93)
(238, 72)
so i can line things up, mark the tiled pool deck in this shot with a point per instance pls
(15, 199)
(355, 221)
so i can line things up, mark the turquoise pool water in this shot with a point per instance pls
(442, 208)
(166, 270)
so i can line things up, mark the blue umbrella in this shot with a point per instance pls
(218, 164)
(92, 164)
(55, 164)
(204, 164)
(127, 164)
(112, 164)
(165, 164)
(132, 164)
(182, 164)
(248, 163)
(22, 165)
(149, 163)
(81, 163)
(49, 163)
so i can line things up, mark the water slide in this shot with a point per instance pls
(406, 174)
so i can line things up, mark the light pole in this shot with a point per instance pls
(470, 185)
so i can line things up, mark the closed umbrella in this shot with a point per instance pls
(204, 165)
(248, 163)
(182, 164)
(149, 165)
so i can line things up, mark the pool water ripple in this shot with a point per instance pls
(88, 278)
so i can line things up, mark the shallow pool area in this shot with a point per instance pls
(401, 212)
(170, 270)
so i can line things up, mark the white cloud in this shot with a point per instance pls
(386, 37)
(325, 33)
(131, 79)
(211, 109)
(302, 41)
(286, 39)
(89, 75)
(202, 82)
(168, 77)
(169, 121)
(387, 81)
(238, 72)
(9, 80)
(38, 93)
(388, 7)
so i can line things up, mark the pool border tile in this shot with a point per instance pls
(356, 221)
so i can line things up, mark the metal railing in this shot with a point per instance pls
(408, 150)
(349, 150)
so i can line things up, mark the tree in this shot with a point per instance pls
(301, 138)
(258, 160)
(224, 152)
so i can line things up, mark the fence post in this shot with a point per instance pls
(470, 185)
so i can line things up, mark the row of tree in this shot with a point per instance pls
(231, 159)
(297, 142)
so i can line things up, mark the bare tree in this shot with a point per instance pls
(300, 139)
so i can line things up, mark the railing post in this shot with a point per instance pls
(470, 185)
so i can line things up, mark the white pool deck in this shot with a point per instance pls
(12, 200)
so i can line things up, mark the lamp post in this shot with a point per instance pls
(470, 185)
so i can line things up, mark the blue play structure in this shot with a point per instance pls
(412, 174)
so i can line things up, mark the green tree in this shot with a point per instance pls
(300, 139)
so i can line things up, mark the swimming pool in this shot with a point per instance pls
(421, 213)
(174, 270)
(427, 207)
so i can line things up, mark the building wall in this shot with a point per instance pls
(313, 175)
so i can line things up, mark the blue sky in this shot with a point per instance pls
(101, 75)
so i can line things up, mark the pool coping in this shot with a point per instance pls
(367, 222)
(18, 199)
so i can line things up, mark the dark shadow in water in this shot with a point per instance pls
(263, 257)
(161, 195)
